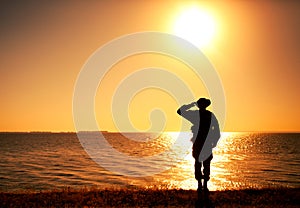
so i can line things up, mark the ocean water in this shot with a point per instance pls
(45, 161)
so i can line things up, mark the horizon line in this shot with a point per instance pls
(106, 131)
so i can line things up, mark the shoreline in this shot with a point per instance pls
(142, 197)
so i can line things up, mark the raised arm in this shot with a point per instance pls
(185, 108)
(186, 113)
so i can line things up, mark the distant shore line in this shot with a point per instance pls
(112, 132)
(143, 197)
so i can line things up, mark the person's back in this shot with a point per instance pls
(202, 132)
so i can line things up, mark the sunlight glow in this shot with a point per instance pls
(196, 26)
(220, 177)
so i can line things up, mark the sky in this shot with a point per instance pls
(45, 44)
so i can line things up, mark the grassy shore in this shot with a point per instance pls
(139, 197)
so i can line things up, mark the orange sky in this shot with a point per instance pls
(44, 45)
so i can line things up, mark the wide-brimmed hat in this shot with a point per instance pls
(203, 103)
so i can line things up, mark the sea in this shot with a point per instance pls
(39, 161)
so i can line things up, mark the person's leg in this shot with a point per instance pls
(206, 171)
(198, 174)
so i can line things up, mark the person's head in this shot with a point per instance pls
(203, 103)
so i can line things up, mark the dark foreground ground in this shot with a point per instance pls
(281, 197)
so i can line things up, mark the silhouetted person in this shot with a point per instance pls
(206, 134)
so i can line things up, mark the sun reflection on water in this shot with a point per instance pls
(182, 175)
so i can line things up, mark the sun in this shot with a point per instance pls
(196, 26)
